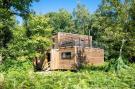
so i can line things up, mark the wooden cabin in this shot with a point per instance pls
(70, 51)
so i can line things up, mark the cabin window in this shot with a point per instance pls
(66, 55)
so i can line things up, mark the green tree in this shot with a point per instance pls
(61, 21)
(131, 30)
(23, 47)
(111, 22)
(41, 32)
(82, 19)
(8, 9)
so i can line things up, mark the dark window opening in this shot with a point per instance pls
(66, 55)
(48, 57)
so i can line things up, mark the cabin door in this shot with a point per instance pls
(48, 57)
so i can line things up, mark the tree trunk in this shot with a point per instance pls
(123, 41)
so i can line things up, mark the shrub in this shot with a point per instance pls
(21, 76)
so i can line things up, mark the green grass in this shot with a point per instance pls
(87, 77)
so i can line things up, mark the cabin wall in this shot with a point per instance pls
(94, 56)
(75, 37)
(54, 63)
(67, 63)
(58, 63)
(81, 51)
(82, 40)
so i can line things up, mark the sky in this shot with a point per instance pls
(45, 6)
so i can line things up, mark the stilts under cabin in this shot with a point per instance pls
(70, 51)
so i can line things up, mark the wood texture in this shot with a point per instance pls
(81, 51)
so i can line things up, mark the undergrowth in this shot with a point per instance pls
(88, 77)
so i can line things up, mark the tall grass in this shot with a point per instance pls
(88, 77)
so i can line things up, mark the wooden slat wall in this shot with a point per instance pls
(61, 37)
(54, 59)
(94, 56)
(67, 63)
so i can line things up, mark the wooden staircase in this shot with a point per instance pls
(46, 66)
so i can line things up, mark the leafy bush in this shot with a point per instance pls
(86, 78)
(116, 65)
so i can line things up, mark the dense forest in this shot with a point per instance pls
(112, 27)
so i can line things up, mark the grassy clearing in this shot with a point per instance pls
(87, 77)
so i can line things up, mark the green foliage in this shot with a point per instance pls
(117, 65)
(86, 78)
(77, 22)
(15, 7)
(40, 37)
(8, 9)
(5, 31)
(82, 20)
(111, 24)
(61, 21)
(22, 47)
